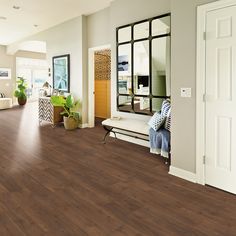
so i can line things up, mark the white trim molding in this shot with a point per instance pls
(82, 126)
(91, 106)
(200, 91)
(200, 83)
(217, 5)
(183, 174)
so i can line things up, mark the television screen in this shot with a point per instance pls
(144, 80)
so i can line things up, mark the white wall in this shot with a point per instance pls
(6, 61)
(69, 38)
(98, 28)
(183, 64)
(84, 68)
(9, 61)
(183, 74)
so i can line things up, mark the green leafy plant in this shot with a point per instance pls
(21, 87)
(70, 106)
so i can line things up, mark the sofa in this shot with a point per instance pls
(5, 103)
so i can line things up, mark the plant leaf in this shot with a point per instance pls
(75, 115)
(64, 113)
(58, 101)
(69, 101)
(21, 87)
(76, 106)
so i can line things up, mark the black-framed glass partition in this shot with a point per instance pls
(143, 65)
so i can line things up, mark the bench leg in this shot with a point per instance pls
(168, 160)
(107, 133)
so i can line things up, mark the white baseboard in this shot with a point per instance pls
(82, 126)
(183, 174)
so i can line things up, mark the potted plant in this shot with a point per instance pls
(20, 92)
(70, 113)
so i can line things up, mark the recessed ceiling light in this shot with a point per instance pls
(16, 7)
(3, 18)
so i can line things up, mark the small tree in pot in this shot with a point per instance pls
(20, 93)
(70, 113)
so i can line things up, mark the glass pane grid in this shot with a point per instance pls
(144, 90)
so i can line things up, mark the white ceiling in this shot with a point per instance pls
(44, 13)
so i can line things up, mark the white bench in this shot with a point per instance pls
(5, 103)
(139, 129)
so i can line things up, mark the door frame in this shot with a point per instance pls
(200, 84)
(91, 82)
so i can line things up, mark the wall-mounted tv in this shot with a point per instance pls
(144, 80)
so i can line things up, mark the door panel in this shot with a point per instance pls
(220, 165)
(224, 75)
(224, 143)
(102, 98)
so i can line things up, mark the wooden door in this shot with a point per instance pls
(102, 83)
(102, 98)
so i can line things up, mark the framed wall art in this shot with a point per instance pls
(5, 73)
(61, 73)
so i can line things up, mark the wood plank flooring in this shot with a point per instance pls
(54, 182)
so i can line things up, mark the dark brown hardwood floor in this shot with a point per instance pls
(54, 182)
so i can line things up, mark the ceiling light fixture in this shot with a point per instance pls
(16, 7)
(36, 25)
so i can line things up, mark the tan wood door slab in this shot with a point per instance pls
(102, 98)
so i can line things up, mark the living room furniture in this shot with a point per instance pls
(48, 112)
(5, 103)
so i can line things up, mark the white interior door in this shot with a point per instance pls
(220, 168)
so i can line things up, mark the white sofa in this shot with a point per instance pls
(5, 103)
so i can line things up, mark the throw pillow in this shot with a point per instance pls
(168, 121)
(165, 107)
(2, 95)
(157, 121)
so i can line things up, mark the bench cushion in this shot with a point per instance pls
(133, 125)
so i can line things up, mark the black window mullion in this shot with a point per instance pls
(132, 65)
(117, 71)
(150, 66)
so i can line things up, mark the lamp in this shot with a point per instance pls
(47, 86)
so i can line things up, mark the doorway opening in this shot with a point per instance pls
(99, 84)
(35, 72)
(102, 76)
